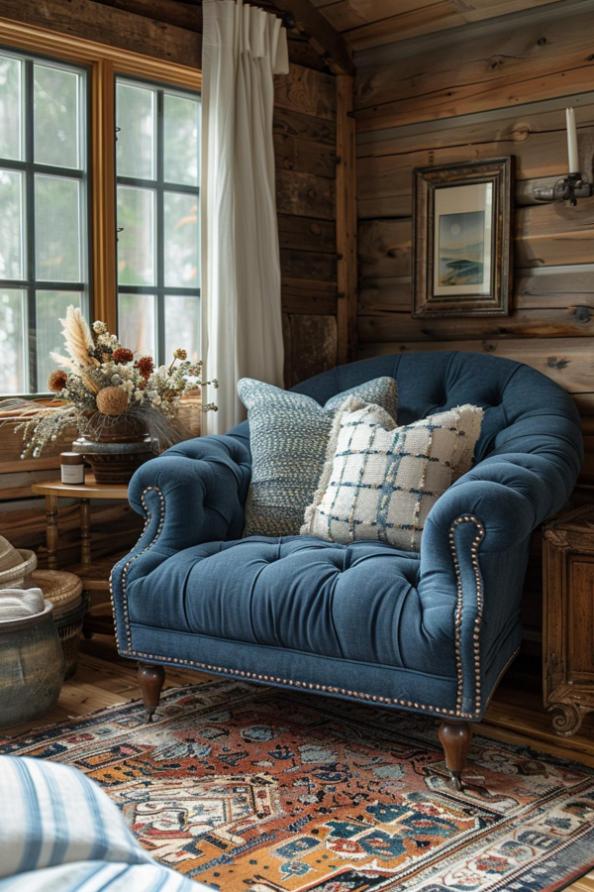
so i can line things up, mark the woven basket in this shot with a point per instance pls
(64, 591)
(14, 577)
(31, 668)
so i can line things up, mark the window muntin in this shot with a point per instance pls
(44, 232)
(158, 172)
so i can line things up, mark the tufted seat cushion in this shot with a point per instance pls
(356, 602)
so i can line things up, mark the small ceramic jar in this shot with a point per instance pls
(72, 468)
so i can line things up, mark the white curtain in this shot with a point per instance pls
(243, 47)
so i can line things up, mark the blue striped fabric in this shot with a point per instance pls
(100, 876)
(58, 830)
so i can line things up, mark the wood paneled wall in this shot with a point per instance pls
(305, 140)
(371, 23)
(495, 89)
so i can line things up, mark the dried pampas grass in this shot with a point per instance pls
(79, 342)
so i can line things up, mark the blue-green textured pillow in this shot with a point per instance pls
(289, 434)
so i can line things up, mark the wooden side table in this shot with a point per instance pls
(568, 618)
(94, 573)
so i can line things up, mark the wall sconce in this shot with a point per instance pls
(573, 186)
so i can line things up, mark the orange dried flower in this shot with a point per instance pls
(122, 354)
(57, 380)
(112, 401)
(145, 366)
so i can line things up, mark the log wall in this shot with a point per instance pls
(499, 88)
(306, 157)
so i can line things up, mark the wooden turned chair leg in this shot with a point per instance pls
(150, 679)
(455, 740)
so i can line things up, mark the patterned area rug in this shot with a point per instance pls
(250, 789)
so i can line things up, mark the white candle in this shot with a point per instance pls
(572, 148)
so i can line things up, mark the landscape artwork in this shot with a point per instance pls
(462, 233)
(461, 248)
(462, 238)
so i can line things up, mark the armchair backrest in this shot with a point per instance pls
(524, 410)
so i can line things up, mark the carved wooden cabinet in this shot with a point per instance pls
(568, 618)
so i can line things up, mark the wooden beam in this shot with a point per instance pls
(170, 12)
(90, 20)
(306, 19)
(346, 218)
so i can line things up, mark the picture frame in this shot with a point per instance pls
(462, 245)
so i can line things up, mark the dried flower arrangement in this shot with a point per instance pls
(102, 385)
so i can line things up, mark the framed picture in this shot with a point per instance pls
(462, 239)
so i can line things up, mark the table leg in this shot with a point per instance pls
(51, 531)
(85, 532)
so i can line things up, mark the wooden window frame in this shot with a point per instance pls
(104, 63)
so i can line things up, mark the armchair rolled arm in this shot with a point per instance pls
(476, 539)
(194, 492)
(510, 494)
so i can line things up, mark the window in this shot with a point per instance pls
(94, 139)
(157, 166)
(44, 229)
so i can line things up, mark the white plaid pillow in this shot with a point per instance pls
(380, 481)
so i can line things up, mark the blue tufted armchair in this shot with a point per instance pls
(431, 632)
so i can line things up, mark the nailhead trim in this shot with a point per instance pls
(330, 689)
(135, 558)
(304, 685)
(474, 548)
